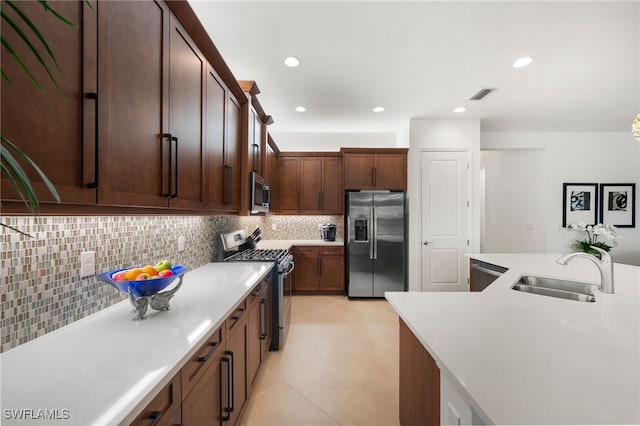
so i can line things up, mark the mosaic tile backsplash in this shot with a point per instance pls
(40, 287)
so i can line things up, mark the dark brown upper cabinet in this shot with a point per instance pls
(223, 139)
(310, 183)
(375, 169)
(48, 127)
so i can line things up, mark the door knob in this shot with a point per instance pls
(426, 243)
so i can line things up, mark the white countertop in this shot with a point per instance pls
(287, 244)
(521, 358)
(105, 368)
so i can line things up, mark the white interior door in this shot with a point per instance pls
(445, 220)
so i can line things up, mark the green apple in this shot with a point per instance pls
(163, 265)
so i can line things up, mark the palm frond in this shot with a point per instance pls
(35, 167)
(35, 52)
(19, 180)
(37, 32)
(16, 230)
(56, 14)
(7, 46)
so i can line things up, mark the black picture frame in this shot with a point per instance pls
(618, 204)
(579, 203)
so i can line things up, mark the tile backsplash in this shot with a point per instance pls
(40, 287)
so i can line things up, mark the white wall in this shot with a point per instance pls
(579, 157)
(513, 217)
(427, 134)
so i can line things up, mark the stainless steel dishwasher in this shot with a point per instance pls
(483, 274)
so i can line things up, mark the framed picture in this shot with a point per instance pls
(579, 203)
(618, 204)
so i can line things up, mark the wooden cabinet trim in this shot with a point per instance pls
(163, 405)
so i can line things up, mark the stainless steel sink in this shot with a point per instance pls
(563, 289)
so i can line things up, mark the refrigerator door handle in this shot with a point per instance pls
(371, 225)
(374, 220)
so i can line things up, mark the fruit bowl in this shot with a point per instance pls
(142, 288)
(146, 292)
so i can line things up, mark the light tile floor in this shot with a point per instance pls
(339, 366)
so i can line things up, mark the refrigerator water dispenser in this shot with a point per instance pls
(361, 227)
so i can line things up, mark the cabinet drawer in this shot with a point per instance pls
(161, 409)
(308, 250)
(236, 316)
(332, 250)
(200, 361)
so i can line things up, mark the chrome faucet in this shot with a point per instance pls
(604, 264)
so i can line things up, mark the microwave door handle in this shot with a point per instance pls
(267, 191)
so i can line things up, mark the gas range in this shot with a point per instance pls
(237, 247)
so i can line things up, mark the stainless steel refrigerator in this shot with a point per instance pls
(376, 226)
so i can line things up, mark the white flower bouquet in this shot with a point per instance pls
(602, 231)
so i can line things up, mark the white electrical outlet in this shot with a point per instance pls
(87, 263)
(274, 226)
(181, 243)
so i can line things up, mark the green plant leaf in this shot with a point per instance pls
(7, 46)
(56, 14)
(37, 32)
(30, 162)
(16, 230)
(16, 174)
(6, 78)
(35, 52)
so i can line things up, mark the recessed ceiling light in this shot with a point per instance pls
(292, 61)
(460, 109)
(378, 109)
(300, 109)
(522, 62)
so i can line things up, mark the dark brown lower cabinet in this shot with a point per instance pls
(202, 383)
(165, 408)
(212, 388)
(236, 356)
(319, 270)
(419, 382)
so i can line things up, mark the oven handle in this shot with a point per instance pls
(285, 274)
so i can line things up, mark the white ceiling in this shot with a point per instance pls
(423, 58)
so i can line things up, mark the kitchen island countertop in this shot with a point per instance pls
(520, 358)
(105, 368)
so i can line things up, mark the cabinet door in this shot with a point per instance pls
(267, 302)
(203, 406)
(237, 355)
(288, 184)
(254, 142)
(254, 331)
(358, 171)
(390, 171)
(271, 176)
(332, 187)
(186, 82)
(162, 409)
(310, 184)
(217, 179)
(48, 126)
(305, 274)
(133, 72)
(331, 272)
(233, 144)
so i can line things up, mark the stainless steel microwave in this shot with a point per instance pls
(260, 194)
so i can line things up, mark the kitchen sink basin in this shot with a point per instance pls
(563, 289)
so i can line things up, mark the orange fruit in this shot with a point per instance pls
(132, 274)
(149, 270)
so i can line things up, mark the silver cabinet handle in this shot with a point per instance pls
(426, 243)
